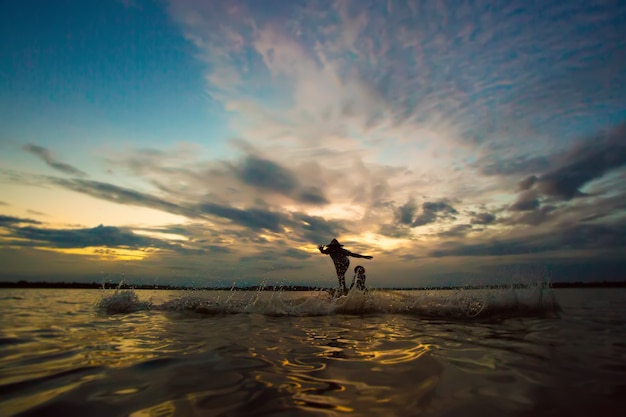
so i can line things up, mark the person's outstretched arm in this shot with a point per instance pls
(356, 255)
(321, 248)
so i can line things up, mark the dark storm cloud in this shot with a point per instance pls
(439, 207)
(432, 211)
(312, 195)
(108, 236)
(457, 230)
(10, 220)
(426, 217)
(588, 161)
(216, 249)
(266, 174)
(175, 230)
(255, 219)
(483, 218)
(395, 231)
(270, 176)
(533, 217)
(296, 254)
(579, 237)
(46, 156)
(406, 212)
(494, 165)
(80, 238)
(315, 229)
(120, 195)
(311, 228)
(380, 195)
(526, 201)
(527, 183)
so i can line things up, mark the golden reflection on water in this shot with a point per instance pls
(165, 409)
(348, 358)
(20, 404)
(125, 345)
(385, 343)
(323, 364)
(237, 364)
(394, 356)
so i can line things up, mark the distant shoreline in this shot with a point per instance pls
(95, 285)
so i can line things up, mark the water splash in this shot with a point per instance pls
(121, 302)
(458, 304)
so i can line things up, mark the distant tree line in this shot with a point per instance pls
(124, 285)
(127, 286)
(578, 284)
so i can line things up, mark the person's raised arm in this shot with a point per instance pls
(321, 248)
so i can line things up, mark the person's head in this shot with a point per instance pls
(334, 243)
(359, 270)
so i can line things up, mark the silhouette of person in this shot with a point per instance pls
(339, 255)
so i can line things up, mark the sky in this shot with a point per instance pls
(217, 142)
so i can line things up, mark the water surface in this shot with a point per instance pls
(507, 352)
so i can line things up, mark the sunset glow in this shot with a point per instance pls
(228, 139)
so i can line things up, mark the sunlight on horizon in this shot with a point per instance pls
(105, 253)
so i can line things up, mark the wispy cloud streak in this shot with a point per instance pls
(45, 155)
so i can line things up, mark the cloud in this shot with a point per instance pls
(586, 162)
(578, 237)
(495, 164)
(341, 112)
(312, 195)
(526, 201)
(81, 238)
(267, 174)
(316, 229)
(533, 217)
(308, 228)
(432, 211)
(270, 176)
(104, 236)
(405, 213)
(10, 220)
(254, 219)
(46, 156)
(527, 183)
(457, 230)
(121, 195)
(296, 254)
(426, 217)
(483, 218)
(405, 216)
(395, 231)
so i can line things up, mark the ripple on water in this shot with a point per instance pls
(171, 359)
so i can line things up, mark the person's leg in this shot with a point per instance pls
(342, 266)
(342, 281)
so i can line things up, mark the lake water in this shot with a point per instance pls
(532, 352)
